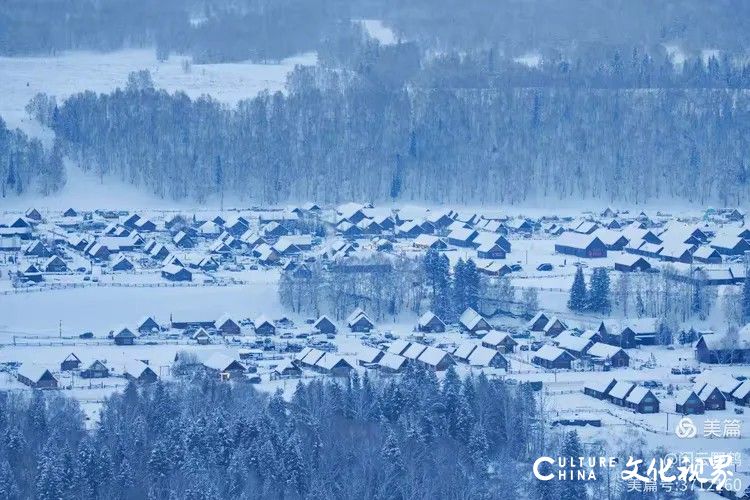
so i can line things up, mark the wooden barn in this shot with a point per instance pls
(227, 326)
(472, 321)
(430, 323)
(642, 400)
(148, 325)
(325, 325)
(606, 353)
(551, 357)
(359, 322)
(138, 371)
(723, 348)
(37, 377)
(124, 336)
(599, 387)
(580, 245)
(554, 327)
(173, 272)
(96, 369)
(628, 263)
(712, 397)
(538, 322)
(264, 326)
(688, 403)
(484, 357)
(71, 362)
(500, 341)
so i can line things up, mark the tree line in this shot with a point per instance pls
(199, 438)
(208, 30)
(341, 136)
(224, 30)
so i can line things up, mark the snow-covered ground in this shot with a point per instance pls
(23, 77)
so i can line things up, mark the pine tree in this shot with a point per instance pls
(459, 287)
(599, 300)
(8, 484)
(478, 448)
(472, 285)
(577, 301)
(572, 489)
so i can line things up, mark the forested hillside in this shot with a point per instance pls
(458, 130)
(409, 437)
(25, 165)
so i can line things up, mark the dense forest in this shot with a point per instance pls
(394, 438)
(209, 30)
(221, 30)
(615, 131)
(603, 110)
(26, 166)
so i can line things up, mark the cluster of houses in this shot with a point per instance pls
(626, 394)
(713, 241)
(200, 329)
(38, 376)
(437, 230)
(112, 238)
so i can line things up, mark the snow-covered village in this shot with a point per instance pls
(308, 250)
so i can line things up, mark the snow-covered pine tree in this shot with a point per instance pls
(577, 301)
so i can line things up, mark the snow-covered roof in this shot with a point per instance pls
(470, 318)
(426, 240)
(743, 390)
(485, 237)
(464, 350)
(599, 384)
(262, 319)
(621, 389)
(576, 240)
(602, 350)
(32, 371)
(482, 356)
(495, 337)
(682, 396)
(432, 356)
(312, 357)
(414, 350)
(571, 343)
(675, 250)
(637, 394)
(726, 241)
(172, 269)
(461, 234)
(549, 352)
(398, 346)
(705, 252)
(425, 318)
(135, 367)
(368, 354)
(723, 381)
(392, 361)
(536, 318)
(329, 361)
(628, 259)
(354, 315)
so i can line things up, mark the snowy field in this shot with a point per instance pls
(100, 309)
(23, 77)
